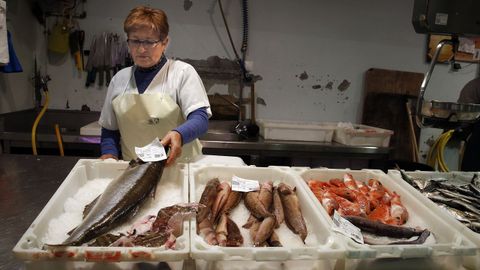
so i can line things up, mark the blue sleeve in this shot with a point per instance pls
(110, 142)
(195, 126)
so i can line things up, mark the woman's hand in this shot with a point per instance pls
(106, 156)
(173, 139)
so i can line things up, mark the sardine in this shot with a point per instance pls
(458, 204)
(457, 214)
(466, 199)
(120, 198)
(293, 213)
(407, 178)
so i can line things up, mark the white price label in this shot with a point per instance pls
(244, 185)
(346, 228)
(151, 152)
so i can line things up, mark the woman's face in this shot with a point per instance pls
(146, 47)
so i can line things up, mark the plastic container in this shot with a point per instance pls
(362, 135)
(471, 262)
(92, 129)
(446, 244)
(172, 189)
(320, 251)
(297, 131)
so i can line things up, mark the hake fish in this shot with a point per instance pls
(120, 200)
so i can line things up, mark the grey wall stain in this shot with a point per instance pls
(343, 85)
(316, 86)
(303, 76)
(329, 85)
(261, 101)
(187, 4)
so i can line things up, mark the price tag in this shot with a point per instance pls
(151, 152)
(244, 185)
(346, 228)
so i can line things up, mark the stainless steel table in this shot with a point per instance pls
(27, 182)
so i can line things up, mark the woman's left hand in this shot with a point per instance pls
(173, 139)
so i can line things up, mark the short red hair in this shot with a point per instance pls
(152, 18)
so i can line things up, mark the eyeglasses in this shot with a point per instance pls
(147, 44)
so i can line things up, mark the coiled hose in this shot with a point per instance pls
(435, 156)
(35, 124)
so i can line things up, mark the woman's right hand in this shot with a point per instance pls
(106, 156)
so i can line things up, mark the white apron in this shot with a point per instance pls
(142, 117)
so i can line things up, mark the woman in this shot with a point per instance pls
(471, 161)
(154, 97)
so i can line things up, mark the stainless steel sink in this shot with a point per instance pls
(219, 136)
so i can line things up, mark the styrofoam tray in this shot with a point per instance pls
(297, 131)
(447, 240)
(92, 129)
(470, 262)
(87, 173)
(362, 135)
(321, 243)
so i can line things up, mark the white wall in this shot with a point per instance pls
(330, 41)
(16, 89)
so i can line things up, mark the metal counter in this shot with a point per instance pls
(15, 137)
(27, 182)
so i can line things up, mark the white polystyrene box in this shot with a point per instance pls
(362, 135)
(444, 241)
(296, 131)
(470, 262)
(92, 129)
(321, 243)
(172, 189)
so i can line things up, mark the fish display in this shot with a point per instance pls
(368, 205)
(381, 229)
(213, 223)
(120, 200)
(354, 198)
(165, 228)
(292, 210)
(269, 207)
(454, 193)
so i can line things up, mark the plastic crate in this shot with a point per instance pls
(92, 129)
(362, 135)
(296, 131)
(320, 251)
(470, 262)
(449, 245)
(172, 189)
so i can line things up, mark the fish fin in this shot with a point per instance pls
(89, 207)
(71, 231)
